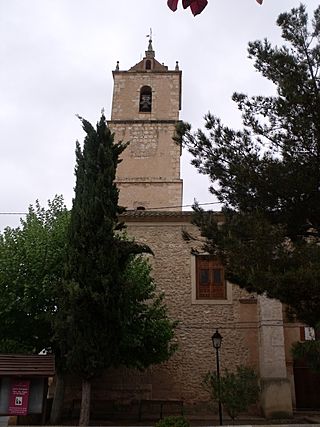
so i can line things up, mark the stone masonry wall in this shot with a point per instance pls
(182, 375)
(165, 95)
(236, 322)
(151, 195)
(149, 175)
(151, 152)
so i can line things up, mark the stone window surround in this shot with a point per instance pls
(142, 91)
(194, 299)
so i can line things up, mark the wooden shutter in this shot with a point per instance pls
(210, 278)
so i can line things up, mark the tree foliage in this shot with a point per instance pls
(109, 312)
(309, 351)
(267, 175)
(235, 390)
(173, 421)
(76, 283)
(31, 269)
(196, 6)
(147, 330)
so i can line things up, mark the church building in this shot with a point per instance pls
(145, 111)
(255, 333)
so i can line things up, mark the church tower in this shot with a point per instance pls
(145, 109)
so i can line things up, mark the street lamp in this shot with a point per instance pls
(216, 342)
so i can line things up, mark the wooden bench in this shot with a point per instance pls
(101, 408)
(162, 404)
(98, 408)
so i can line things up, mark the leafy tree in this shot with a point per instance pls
(109, 312)
(32, 260)
(267, 175)
(147, 331)
(31, 268)
(236, 390)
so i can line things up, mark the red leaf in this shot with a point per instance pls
(173, 4)
(186, 3)
(197, 6)
(259, 1)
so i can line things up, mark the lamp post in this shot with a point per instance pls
(216, 342)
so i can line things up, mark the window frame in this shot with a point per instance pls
(215, 295)
(145, 91)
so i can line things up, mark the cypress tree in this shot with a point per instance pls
(101, 301)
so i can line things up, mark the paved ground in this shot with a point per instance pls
(225, 425)
(3, 421)
(299, 420)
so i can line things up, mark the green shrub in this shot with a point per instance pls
(310, 352)
(173, 422)
(238, 389)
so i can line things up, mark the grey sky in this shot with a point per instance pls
(56, 61)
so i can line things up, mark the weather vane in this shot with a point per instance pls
(150, 34)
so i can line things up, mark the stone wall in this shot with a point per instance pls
(251, 327)
(181, 377)
(152, 156)
(149, 175)
(165, 95)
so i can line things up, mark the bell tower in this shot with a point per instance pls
(145, 109)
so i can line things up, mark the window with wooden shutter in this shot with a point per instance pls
(210, 278)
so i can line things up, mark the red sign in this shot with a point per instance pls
(19, 397)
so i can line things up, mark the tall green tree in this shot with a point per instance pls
(267, 175)
(31, 268)
(32, 259)
(106, 307)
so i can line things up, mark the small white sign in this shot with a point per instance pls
(309, 334)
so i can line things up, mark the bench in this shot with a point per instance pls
(101, 408)
(98, 408)
(161, 404)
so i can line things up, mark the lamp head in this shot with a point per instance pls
(216, 340)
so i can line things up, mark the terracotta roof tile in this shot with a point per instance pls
(27, 365)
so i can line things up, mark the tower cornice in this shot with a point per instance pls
(131, 121)
(117, 72)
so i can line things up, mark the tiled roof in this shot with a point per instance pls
(156, 67)
(158, 215)
(27, 365)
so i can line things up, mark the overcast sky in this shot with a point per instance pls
(57, 58)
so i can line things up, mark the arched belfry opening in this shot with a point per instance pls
(145, 103)
(148, 64)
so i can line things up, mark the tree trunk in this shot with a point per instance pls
(58, 398)
(85, 403)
